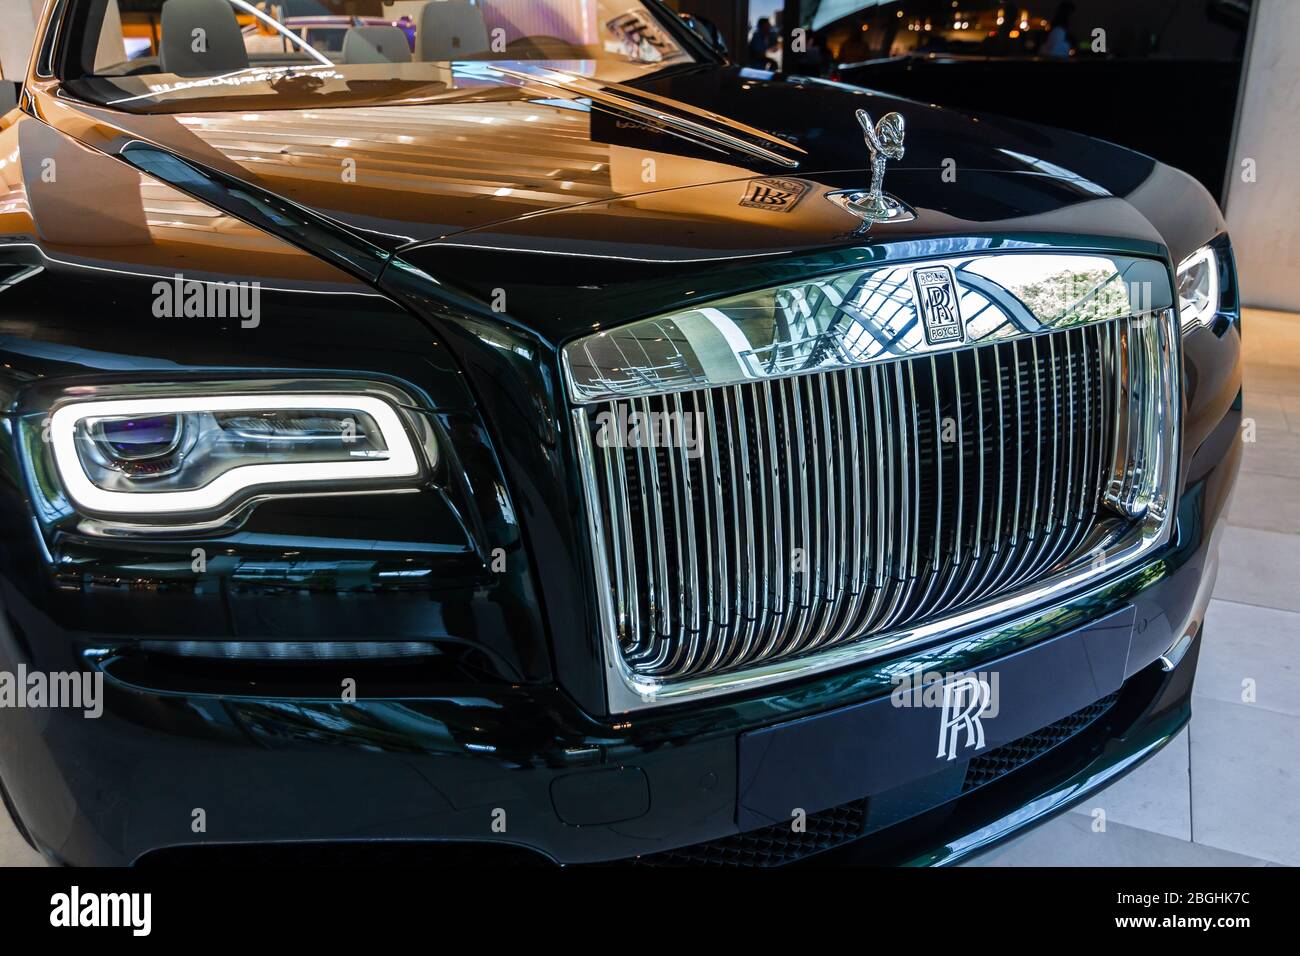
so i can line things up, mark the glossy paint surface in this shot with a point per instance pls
(523, 139)
(394, 278)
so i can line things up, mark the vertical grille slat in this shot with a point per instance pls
(957, 440)
(773, 599)
(715, 530)
(1064, 442)
(1000, 540)
(742, 508)
(639, 501)
(931, 472)
(689, 589)
(798, 602)
(833, 588)
(882, 448)
(1000, 545)
(857, 516)
(976, 555)
(1085, 468)
(823, 507)
(1105, 452)
(1017, 512)
(1120, 380)
(913, 402)
(624, 562)
(1033, 536)
(901, 502)
(1049, 524)
(659, 594)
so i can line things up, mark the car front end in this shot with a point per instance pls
(493, 459)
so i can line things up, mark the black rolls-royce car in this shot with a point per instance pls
(546, 441)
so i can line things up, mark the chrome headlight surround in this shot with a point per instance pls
(272, 439)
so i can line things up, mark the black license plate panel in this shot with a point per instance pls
(830, 759)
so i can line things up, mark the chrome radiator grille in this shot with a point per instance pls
(843, 466)
(834, 507)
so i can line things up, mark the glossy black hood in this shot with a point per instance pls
(593, 203)
(575, 270)
(515, 140)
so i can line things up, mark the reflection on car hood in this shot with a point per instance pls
(568, 270)
(504, 141)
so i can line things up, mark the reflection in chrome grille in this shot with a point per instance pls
(855, 317)
(823, 509)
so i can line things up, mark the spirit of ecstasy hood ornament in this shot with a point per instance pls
(885, 140)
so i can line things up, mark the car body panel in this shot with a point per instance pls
(87, 251)
(396, 277)
(498, 148)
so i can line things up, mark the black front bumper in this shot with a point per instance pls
(162, 775)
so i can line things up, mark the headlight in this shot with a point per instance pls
(1198, 288)
(197, 454)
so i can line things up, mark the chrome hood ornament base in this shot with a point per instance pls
(872, 207)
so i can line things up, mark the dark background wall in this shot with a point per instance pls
(1162, 76)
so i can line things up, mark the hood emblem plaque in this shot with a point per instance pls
(885, 140)
(773, 195)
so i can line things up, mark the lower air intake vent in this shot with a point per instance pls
(989, 766)
(774, 845)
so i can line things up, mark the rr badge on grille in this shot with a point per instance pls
(936, 296)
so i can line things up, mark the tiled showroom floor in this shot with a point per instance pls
(1227, 791)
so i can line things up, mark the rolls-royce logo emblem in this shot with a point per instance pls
(965, 701)
(773, 195)
(937, 301)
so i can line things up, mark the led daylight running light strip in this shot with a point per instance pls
(401, 461)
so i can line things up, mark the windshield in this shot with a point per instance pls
(151, 53)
